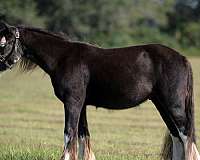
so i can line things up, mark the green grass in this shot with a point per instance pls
(28, 153)
(31, 123)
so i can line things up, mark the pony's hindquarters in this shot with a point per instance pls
(174, 100)
(191, 152)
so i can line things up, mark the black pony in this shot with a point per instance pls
(118, 78)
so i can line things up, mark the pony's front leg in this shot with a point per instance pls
(72, 113)
(85, 151)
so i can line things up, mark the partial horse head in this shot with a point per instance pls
(10, 48)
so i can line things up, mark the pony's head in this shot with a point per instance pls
(10, 48)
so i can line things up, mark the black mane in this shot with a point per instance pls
(59, 35)
(26, 64)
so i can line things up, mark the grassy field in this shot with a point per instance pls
(31, 123)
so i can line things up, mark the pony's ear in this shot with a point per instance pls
(5, 27)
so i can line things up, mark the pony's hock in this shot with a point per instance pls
(117, 78)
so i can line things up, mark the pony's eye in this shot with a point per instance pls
(3, 42)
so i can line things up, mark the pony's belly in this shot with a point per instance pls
(116, 93)
(116, 104)
(116, 101)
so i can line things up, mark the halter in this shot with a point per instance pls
(5, 58)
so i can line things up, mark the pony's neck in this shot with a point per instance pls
(43, 48)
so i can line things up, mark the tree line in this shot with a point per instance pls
(109, 23)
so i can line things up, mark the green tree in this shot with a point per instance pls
(20, 12)
(184, 22)
(111, 23)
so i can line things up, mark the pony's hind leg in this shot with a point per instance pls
(178, 148)
(175, 118)
(85, 152)
(173, 97)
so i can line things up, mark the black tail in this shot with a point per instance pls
(189, 109)
(166, 152)
(189, 106)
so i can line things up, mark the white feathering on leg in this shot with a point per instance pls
(85, 152)
(194, 153)
(92, 157)
(178, 151)
(81, 148)
(67, 157)
(66, 153)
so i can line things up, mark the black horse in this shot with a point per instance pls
(118, 78)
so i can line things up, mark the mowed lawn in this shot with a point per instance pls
(31, 122)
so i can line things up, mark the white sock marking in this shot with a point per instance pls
(66, 140)
(66, 153)
(178, 149)
(81, 148)
(84, 151)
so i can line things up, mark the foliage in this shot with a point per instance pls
(184, 22)
(112, 23)
(23, 11)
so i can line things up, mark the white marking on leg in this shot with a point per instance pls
(85, 152)
(81, 146)
(183, 137)
(92, 157)
(66, 152)
(194, 155)
(67, 156)
(66, 140)
(185, 143)
(178, 149)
